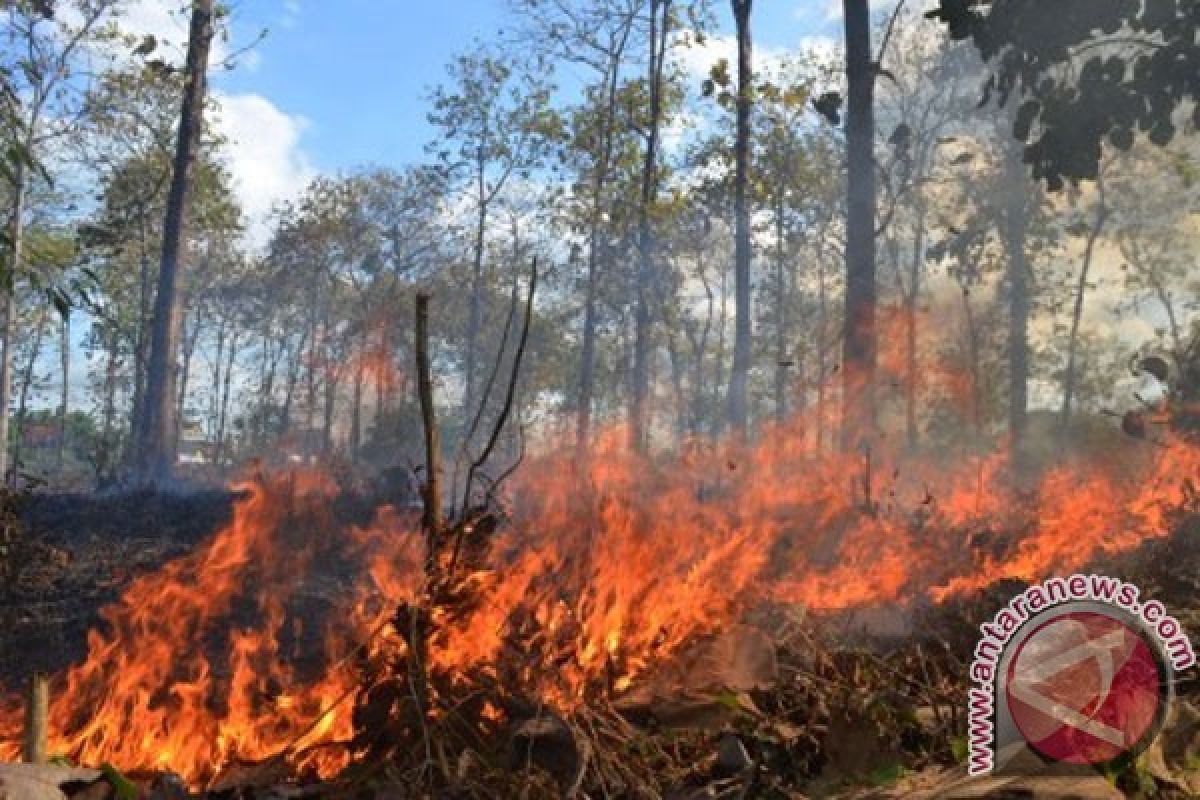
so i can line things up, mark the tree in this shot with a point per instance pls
(738, 408)
(44, 106)
(922, 108)
(1092, 232)
(859, 345)
(597, 35)
(1141, 62)
(156, 439)
(659, 38)
(495, 116)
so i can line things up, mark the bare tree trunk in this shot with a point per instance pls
(16, 234)
(35, 350)
(859, 343)
(381, 389)
(972, 332)
(143, 323)
(293, 376)
(105, 457)
(64, 355)
(911, 298)
(433, 458)
(1069, 376)
(157, 446)
(214, 395)
(331, 387)
(223, 415)
(190, 341)
(701, 354)
(822, 352)
(719, 376)
(356, 412)
(781, 355)
(587, 367)
(738, 407)
(475, 313)
(1016, 225)
(649, 189)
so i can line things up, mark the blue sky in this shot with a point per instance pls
(338, 84)
(357, 71)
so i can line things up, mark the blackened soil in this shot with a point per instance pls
(76, 552)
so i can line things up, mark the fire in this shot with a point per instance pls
(604, 571)
(180, 681)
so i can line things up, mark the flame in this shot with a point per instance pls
(176, 681)
(606, 568)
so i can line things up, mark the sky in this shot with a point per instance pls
(338, 84)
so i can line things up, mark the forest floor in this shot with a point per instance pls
(75, 554)
(845, 713)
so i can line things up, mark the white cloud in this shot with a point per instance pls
(264, 156)
(697, 59)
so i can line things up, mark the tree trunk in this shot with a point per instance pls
(35, 350)
(722, 333)
(331, 387)
(356, 416)
(293, 376)
(822, 353)
(475, 313)
(105, 461)
(645, 243)
(738, 407)
(859, 343)
(781, 337)
(1016, 225)
(143, 322)
(64, 355)
(16, 233)
(1069, 376)
(587, 367)
(912, 297)
(214, 401)
(157, 446)
(223, 414)
(701, 355)
(185, 371)
(433, 465)
(972, 331)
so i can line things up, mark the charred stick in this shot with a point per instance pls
(433, 466)
(37, 708)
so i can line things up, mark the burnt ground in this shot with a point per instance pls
(74, 554)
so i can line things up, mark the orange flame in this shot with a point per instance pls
(610, 567)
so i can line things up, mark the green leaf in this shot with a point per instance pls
(147, 45)
(124, 788)
(958, 748)
(886, 775)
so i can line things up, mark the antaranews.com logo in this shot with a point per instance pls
(1078, 669)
